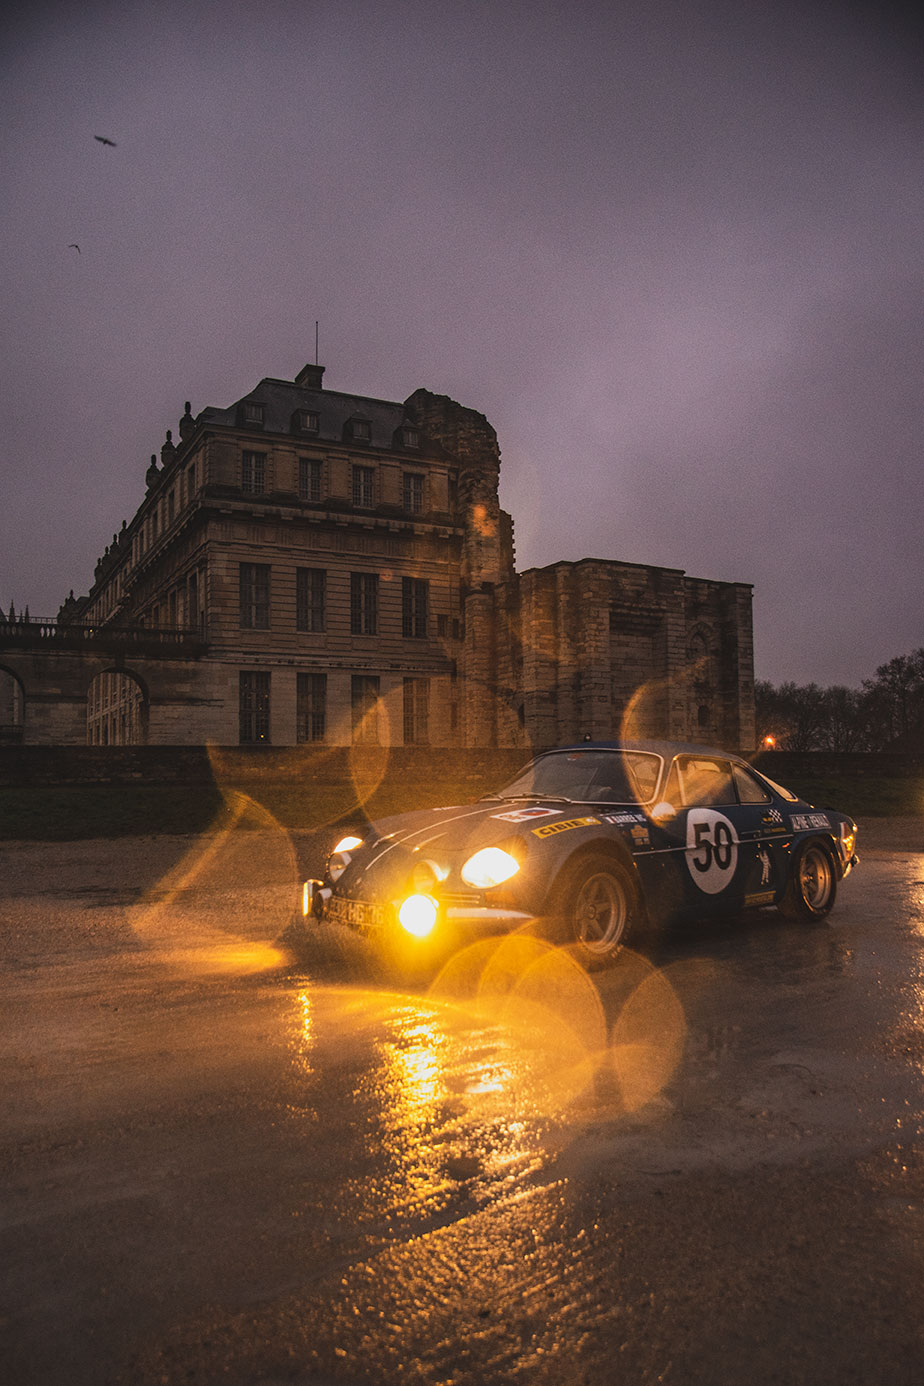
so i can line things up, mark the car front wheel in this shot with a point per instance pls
(596, 909)
(812, 886)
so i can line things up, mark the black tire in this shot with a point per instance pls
(595, 909)
(812, 887)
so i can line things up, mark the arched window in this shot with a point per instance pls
(117, 710)
(12, 707)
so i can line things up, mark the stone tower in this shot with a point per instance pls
(487, 547)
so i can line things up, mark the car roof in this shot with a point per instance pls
(666, 749)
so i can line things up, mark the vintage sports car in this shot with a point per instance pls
(585, 843)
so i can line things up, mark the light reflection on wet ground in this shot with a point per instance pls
(255, 1175)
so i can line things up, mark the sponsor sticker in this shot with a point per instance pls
(523, 815)
(802, 821)
(623, 820)
(641, 836)
(764, 858)
(549, 829)
(774, 816)
(761, 897)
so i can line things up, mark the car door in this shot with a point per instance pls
(764, 832)
(707, 862)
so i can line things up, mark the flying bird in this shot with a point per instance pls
(102, 139)
(74, 246)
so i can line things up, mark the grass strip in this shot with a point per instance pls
(74, 812)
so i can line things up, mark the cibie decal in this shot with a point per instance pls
(523, 815)
(549, 829)
(712, 849)
(802, 821)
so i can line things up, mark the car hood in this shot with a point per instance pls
(445, 837)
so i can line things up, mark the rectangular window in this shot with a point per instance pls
(309, 478)
(171, 502)
(414, 604)
(311, 707)
(364, 487)
(253, 473)
(254, 705)
(255, 596)
(413, 492)
(364, 697)
(416, 712)
(253, 413)
(192, 601)
(308, 421)
(361, 430)
(442, 626)
(310, 591)
(364, 600)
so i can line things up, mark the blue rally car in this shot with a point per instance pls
(585, 843)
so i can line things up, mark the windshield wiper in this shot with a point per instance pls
(518, 798)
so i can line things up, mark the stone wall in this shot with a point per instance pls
(610, 649)
(32, 766)
(24, 766)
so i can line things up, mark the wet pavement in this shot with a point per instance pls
(227, 1158)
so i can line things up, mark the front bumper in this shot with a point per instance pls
(459, 918)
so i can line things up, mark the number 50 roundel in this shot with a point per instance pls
(712, 849)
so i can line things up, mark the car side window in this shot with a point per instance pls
(706, 782)
(750, 790)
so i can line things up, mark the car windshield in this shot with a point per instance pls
(588, 777)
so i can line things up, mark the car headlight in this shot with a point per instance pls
(339, 859)
(418, 914)
(489, 867)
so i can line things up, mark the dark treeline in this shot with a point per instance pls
(887, 713)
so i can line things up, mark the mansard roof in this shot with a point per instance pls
(282, 400)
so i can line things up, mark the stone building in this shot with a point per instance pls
(347, 567)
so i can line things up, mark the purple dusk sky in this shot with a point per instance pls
(673, 251)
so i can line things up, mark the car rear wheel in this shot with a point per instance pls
(812, 887)
(596, 909)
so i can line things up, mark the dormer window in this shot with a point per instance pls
(410, 437)
(360, 430)
(253, 413)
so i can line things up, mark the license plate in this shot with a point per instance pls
(357, 914)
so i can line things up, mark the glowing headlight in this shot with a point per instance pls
(418, 915)
(489, 867)
(348, 844)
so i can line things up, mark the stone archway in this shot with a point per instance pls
(12, 707)
(117, 709)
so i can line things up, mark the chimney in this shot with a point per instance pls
(309, 377)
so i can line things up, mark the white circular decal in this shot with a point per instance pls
(712, 849)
